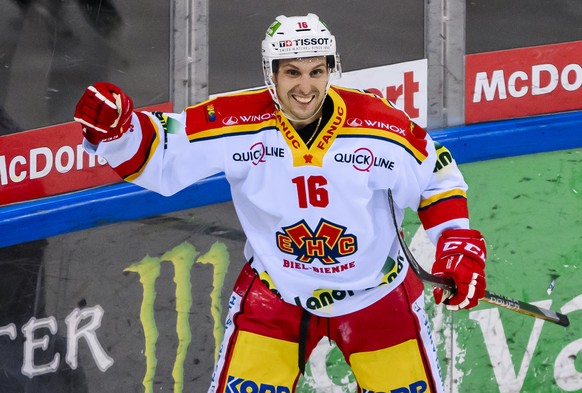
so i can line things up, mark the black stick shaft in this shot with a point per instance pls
(448, 285)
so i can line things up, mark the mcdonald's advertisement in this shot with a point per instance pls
(139, 306)
(523, 82)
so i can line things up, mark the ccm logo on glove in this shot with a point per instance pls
(467, 247)
(461, 254)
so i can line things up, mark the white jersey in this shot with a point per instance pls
(317, 219)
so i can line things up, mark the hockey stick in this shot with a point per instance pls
(449, 287)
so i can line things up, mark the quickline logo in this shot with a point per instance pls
(182, 257)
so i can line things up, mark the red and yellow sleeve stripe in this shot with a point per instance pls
(443, 207)
(132, 168)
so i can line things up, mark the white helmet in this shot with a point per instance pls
(298, 37)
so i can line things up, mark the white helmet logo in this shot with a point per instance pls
(355, 122)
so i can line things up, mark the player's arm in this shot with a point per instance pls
(460, 251)
(442, 209)
(149, 149)
(443, 203)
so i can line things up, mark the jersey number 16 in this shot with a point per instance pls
(311, 191)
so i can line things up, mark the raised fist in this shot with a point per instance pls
(104, 112)
(461, 254)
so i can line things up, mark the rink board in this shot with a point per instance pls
(119, 202)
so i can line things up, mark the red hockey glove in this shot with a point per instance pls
(460, 254)
(104, 111)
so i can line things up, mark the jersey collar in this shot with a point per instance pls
(302, 155)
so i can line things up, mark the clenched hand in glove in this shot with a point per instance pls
(104, 111)
(460, 254)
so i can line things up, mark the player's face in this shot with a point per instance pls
(301, 86)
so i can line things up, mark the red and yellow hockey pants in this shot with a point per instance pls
(388, 345)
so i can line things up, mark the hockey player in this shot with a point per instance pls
(309, 165)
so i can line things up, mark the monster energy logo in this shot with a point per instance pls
(183, 257)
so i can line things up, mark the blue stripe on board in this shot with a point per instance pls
(61, 214)
(23, 222)
(506, 138)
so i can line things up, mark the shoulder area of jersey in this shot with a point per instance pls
(366, 110)
(244, 104)
(237, 110)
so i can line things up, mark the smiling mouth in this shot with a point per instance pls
(304, 100)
